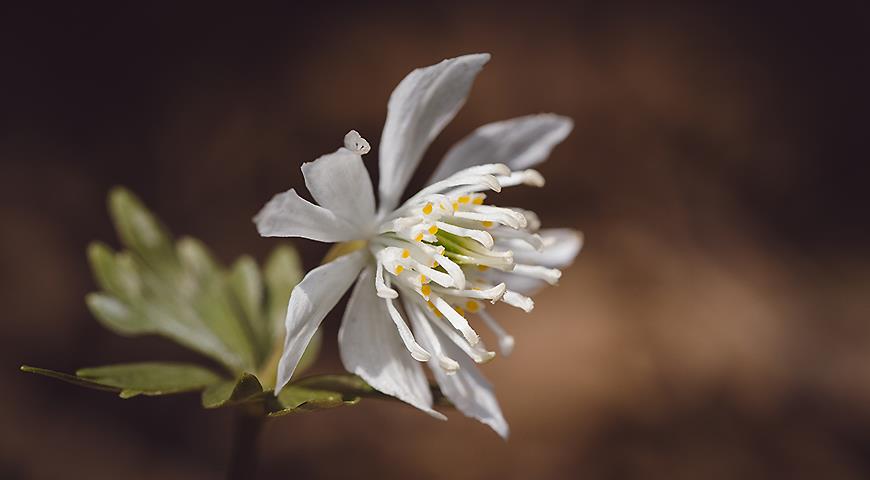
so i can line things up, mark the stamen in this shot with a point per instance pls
(479, 236)
(427, 209)
(417, 352)
(423, 327)
(477, 353)
(518, 300)
(493, 294)
(549, 275)
(505, 340)
(458, 321)
(383, 290)
(529, 177)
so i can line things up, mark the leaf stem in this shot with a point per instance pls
(246, 433)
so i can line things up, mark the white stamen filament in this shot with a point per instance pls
(518, 300)
(422, 325)
(417, 352)
(458, 321)
(505, 340)
(549, 275)
(479, 236)
(477, 353)
(383, 290)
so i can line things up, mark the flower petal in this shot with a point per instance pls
(340, 182)
(310, 301)
(371, 348)
(519, 143)
(469, 391)
(289, 215)
(419, 108)
(560, 246)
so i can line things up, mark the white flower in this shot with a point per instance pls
(441, 255)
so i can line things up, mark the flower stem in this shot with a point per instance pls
(246, 433)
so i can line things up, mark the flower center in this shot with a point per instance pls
(446, 251)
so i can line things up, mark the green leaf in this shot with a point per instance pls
(246, 285)
(151, 378)
(232, 392)
(65, 377)
(131, 379)
(282, 271)
(345, 383)
(295, 399)
(175, 291)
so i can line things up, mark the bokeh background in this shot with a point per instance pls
(715, 326)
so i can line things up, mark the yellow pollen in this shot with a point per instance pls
(406, 253)
(427, 209)
(460, 311)
(455, 206)
(399, 269)
(478, 201)
(471, 306)
(434, 263)
(423, 279)
(426, 290)
(433, 229)
(486, 223)
(482, 268)
(463, 199)
(419, 237)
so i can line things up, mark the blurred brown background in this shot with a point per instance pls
(715, 326)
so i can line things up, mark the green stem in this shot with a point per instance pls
(246, 433)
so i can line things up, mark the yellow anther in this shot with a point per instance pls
(426, 290)
(434, 263)
(477, 201)
(460, 311)
(399, 269)
(419, 237)
(482, 268)
(472, 306)
(486, 224)
(464, 199)
(406, 253)
(427, 209)
(455, 206)
(433, 229)
(423, 279)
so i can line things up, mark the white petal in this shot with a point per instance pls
(560, 246)
(519, 143)
(310, 301)
(469, 391)
(419, 108)
(340, 182)
(289, 215)
(371, 348)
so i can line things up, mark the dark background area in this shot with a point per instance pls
(715, 326)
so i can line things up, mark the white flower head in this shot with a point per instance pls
(426, 269)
